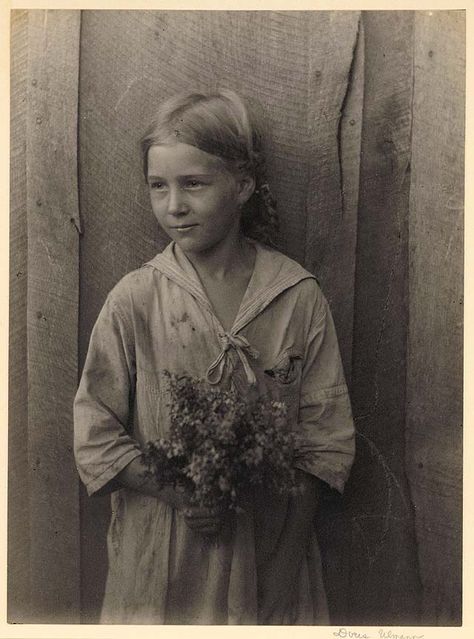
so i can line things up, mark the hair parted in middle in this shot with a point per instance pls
(225, 126)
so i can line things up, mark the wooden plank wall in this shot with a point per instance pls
(336, 87)
(434, 381)
(334, 123)
(51, 313)
(377, 498)
(298, 65)
(333, 520)
(18, 494)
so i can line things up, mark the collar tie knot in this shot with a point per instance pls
(243, 350)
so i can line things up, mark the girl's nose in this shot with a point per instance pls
(177, 202)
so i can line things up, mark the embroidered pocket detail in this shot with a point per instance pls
(286, 370)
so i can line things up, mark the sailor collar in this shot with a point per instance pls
(273, 273)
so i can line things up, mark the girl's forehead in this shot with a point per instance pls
(180, 157)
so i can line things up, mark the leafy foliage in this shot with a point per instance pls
(221, 445)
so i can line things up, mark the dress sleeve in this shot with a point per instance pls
(102, 442)
(325, 442)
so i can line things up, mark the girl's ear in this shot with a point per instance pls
(246, 188)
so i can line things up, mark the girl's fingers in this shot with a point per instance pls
(203, 523)
(207, 521)
(205, 530)
(197, 512)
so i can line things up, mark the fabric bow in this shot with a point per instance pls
(242, 348)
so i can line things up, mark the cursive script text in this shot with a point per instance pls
(344, 633)
(388, 634)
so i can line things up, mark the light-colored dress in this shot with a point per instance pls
(158, 318)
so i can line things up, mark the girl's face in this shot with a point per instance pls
(194, 197)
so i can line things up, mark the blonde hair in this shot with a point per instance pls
(223, 125)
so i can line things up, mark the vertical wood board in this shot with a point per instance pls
(350, 143)
(53, 221)
(335, 95)
(18, 495)
(377, 497)
(335, 122)
(434, 381)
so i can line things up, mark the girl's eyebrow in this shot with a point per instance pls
(185, 176)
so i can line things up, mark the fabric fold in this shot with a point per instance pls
(242, 347)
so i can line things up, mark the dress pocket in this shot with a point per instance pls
(287, 369)
(283, 380)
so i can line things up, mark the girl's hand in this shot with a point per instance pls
(135, 477)
(207, 521)
(174, 497)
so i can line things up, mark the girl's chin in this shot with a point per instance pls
(191, 245)
(196, 243)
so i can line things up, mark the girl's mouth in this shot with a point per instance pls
(183, 227)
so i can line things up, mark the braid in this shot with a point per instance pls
(270, 222)
(260, 218)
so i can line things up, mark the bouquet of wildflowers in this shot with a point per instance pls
(220, 445)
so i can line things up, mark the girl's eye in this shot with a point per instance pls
(194, 184)
(156, 185)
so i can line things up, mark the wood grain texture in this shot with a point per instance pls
(335, 98)
(53, 250)
(262, 54)
(384, 585)
(282, 59)
(434, 380)
(309, 69)
(336, 212)
(18, 493)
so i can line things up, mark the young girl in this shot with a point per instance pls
(218, 304)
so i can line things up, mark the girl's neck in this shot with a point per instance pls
(224, 261)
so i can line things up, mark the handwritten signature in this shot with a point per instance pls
(382, 634)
